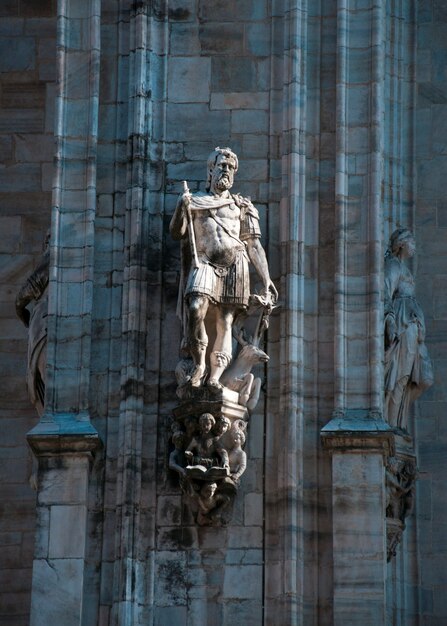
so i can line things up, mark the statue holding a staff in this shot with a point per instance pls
(220, 236)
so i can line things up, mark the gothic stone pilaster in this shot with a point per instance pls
(359, 447)
(61, 530)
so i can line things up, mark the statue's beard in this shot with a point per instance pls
(222, 183)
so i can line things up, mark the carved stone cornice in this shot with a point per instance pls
(55, 438)
(358, 430)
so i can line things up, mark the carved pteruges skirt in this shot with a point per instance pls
(228, 284)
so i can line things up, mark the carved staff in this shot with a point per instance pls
(192, 235)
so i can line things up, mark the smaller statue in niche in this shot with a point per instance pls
(237, 457)
(35, 290)
(401, 475)
(408, 369)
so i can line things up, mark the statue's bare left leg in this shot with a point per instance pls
(197, 337)
(220, 357)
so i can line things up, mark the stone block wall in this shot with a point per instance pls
(27, 88)
(176, 79)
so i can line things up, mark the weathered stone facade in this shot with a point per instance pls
(337, 112)
(27, 91)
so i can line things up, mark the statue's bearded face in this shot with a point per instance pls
(222, 176)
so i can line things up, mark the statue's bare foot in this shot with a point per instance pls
(197, 375)
(213, 382)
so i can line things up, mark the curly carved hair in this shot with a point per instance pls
(397, 238)
(228, 152)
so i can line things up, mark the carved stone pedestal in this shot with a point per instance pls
(208, 432)
(219, 402)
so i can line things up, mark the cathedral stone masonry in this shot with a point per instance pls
(223, 312)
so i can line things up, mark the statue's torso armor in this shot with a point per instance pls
(217, 234)
(221, 225)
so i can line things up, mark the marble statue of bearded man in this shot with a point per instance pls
(221, 235)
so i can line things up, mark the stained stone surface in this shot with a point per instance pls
(27, 81)
(430, 220)
(317, 100)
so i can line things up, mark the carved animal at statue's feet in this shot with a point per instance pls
(238, 376)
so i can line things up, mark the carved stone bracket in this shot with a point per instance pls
(208, 435)
(401, 475)
(357, 430)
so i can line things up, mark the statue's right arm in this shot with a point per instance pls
(179, 223)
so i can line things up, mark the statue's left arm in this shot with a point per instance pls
(257, 257)
(251, 234)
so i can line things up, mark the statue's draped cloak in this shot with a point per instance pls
(407, 356)
(36, 289)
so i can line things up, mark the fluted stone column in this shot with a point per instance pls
(357, 437)
(61, 531)
(64, 438)
(284, 571)
(145, 92)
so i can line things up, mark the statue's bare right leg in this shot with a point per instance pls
(197, 337)
(221, 355)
